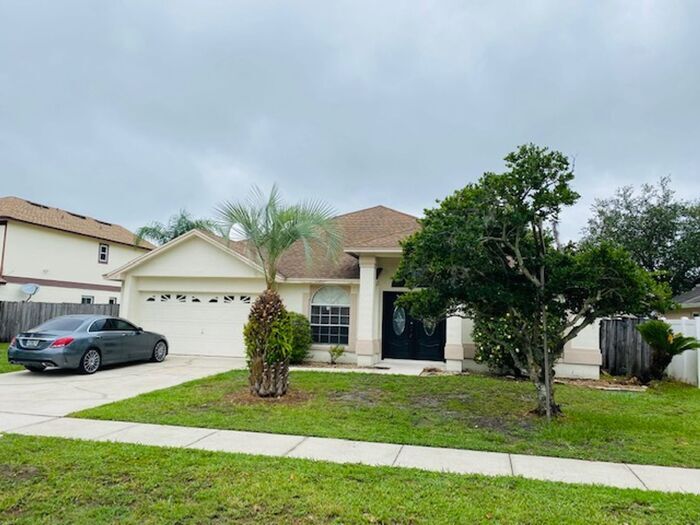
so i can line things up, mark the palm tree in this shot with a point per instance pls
(178, 224)
(664, 345)
(270, 227)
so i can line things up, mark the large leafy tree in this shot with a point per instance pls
(489, 251)
(661, 232)
(270, 227)
(177, 225)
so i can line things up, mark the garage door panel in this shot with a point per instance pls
(198, 324)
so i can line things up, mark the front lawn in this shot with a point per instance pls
(4, 365)
(660, 426)
(50, 480)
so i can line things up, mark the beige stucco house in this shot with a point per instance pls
(66, 254)
(197, 290)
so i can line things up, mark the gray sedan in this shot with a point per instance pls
(85, 342)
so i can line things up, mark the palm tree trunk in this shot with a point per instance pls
(268, 380)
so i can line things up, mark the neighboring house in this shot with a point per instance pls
(197, 290)
(689, 304)
(66, 254)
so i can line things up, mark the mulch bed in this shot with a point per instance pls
(244, 397)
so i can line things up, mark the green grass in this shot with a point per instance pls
(50, 480)
(4, 365)
(660, 426)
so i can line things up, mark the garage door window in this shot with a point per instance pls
(330, 316)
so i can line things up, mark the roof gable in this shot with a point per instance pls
(194, 254)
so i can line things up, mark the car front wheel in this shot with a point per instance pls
(159, 352)
(90, 362)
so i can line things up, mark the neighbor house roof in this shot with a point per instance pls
(378, 228)
(689, 297)
(30, 212)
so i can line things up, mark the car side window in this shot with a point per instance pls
(98, 326)
(122, 325)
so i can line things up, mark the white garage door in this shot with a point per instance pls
(198, 324)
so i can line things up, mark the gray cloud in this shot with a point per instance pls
(130, 110)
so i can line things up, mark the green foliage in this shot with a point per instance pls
(498, 344)
(664, 345)
(660, 232)
(301, 337)
(268, 334)
(489, 250)
(178, 224)
(336, 351)
(271, 227)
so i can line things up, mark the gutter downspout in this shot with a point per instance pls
(6, 225)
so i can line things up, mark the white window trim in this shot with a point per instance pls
(106, 253)
(337, 305)
(91, 299)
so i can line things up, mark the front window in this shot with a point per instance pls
(87, 299)
(112, 300)
(330, 316)
(103, 254)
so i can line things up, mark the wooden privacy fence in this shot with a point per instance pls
(624, 351)
(16, 317)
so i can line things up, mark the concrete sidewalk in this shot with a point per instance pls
(645, 477)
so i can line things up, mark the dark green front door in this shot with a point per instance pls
(405, 337)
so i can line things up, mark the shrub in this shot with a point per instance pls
(496, 341)
(267, 334)
(301, 337)
(336, 351)
(664, 345)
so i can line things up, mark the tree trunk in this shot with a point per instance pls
(660, 359)
(268, 380)
(538, 378)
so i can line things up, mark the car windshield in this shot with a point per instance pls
(60, 324)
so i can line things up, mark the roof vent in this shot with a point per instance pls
(76, 215)
(105, 223)
(38, 205)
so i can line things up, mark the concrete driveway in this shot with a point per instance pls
(59, 392)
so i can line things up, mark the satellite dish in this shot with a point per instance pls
(30, 289)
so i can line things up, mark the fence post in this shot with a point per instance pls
(697, 336)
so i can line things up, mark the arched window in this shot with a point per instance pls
(330, 316)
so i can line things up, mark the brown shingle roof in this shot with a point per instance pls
(30, 212)
(379, 227)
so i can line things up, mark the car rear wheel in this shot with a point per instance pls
(160, 350)
(33, 368)
(90, 362)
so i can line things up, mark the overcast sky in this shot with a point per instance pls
(128, 111)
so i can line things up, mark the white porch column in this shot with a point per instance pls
(127, 304)
(454, 345)
(367, 346)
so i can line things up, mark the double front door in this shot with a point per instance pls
(405, 337)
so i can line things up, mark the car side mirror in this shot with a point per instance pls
(139, 329)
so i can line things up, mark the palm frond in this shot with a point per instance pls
(272, 227)
(177, 225)
(659, 335)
